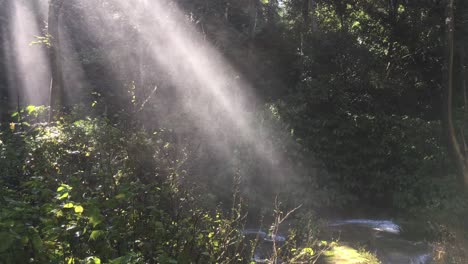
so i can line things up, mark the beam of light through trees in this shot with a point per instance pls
(29, 74)
(215, 93)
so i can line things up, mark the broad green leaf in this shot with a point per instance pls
(64, 187)
(30, 109)
(68, 205)
(79, 209)
(93, 260)
(63, 196)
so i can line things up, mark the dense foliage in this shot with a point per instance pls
(86, 191)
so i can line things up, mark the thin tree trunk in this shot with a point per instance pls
(56, 83)
(226, 11)
(465, 99)
(308, 15)
(272, 9)
(460, 157)
(313, 18)
(253, 10)
(5, 65)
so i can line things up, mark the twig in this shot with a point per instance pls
(148, 98)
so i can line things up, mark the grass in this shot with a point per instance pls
(342, 254)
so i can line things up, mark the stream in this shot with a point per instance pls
(388, 240)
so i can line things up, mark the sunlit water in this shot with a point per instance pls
(265, 243)
(381, 237)
(384, 238)
(377, 225)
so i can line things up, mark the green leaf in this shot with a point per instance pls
(96, 234)
(79, 209)
(120, 196)
(323, 243)
(93, 260)
(63, 191)
(7, 240)
(63, 196)
(309, 251)
(30, 109)
(68, 205)
(95, 218)
(118, 260)
(64, 187)
(355, 24)
(37, 243)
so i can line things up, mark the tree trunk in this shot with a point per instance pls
(226, 11)
(313, 18)
(460, 157)
(272, 10)
(5, 66)
(56, 83)
(305, 14)
(253, 13)
(463, 75)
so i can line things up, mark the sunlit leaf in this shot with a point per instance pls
(93, 260)
(79, 209)
(68, 205)
(96, 234)
(63, 196)
(355, 24)
(95, 217)
(309, 251)
(31, 109)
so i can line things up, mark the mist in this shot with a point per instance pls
(29, 66)
(211, 100)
